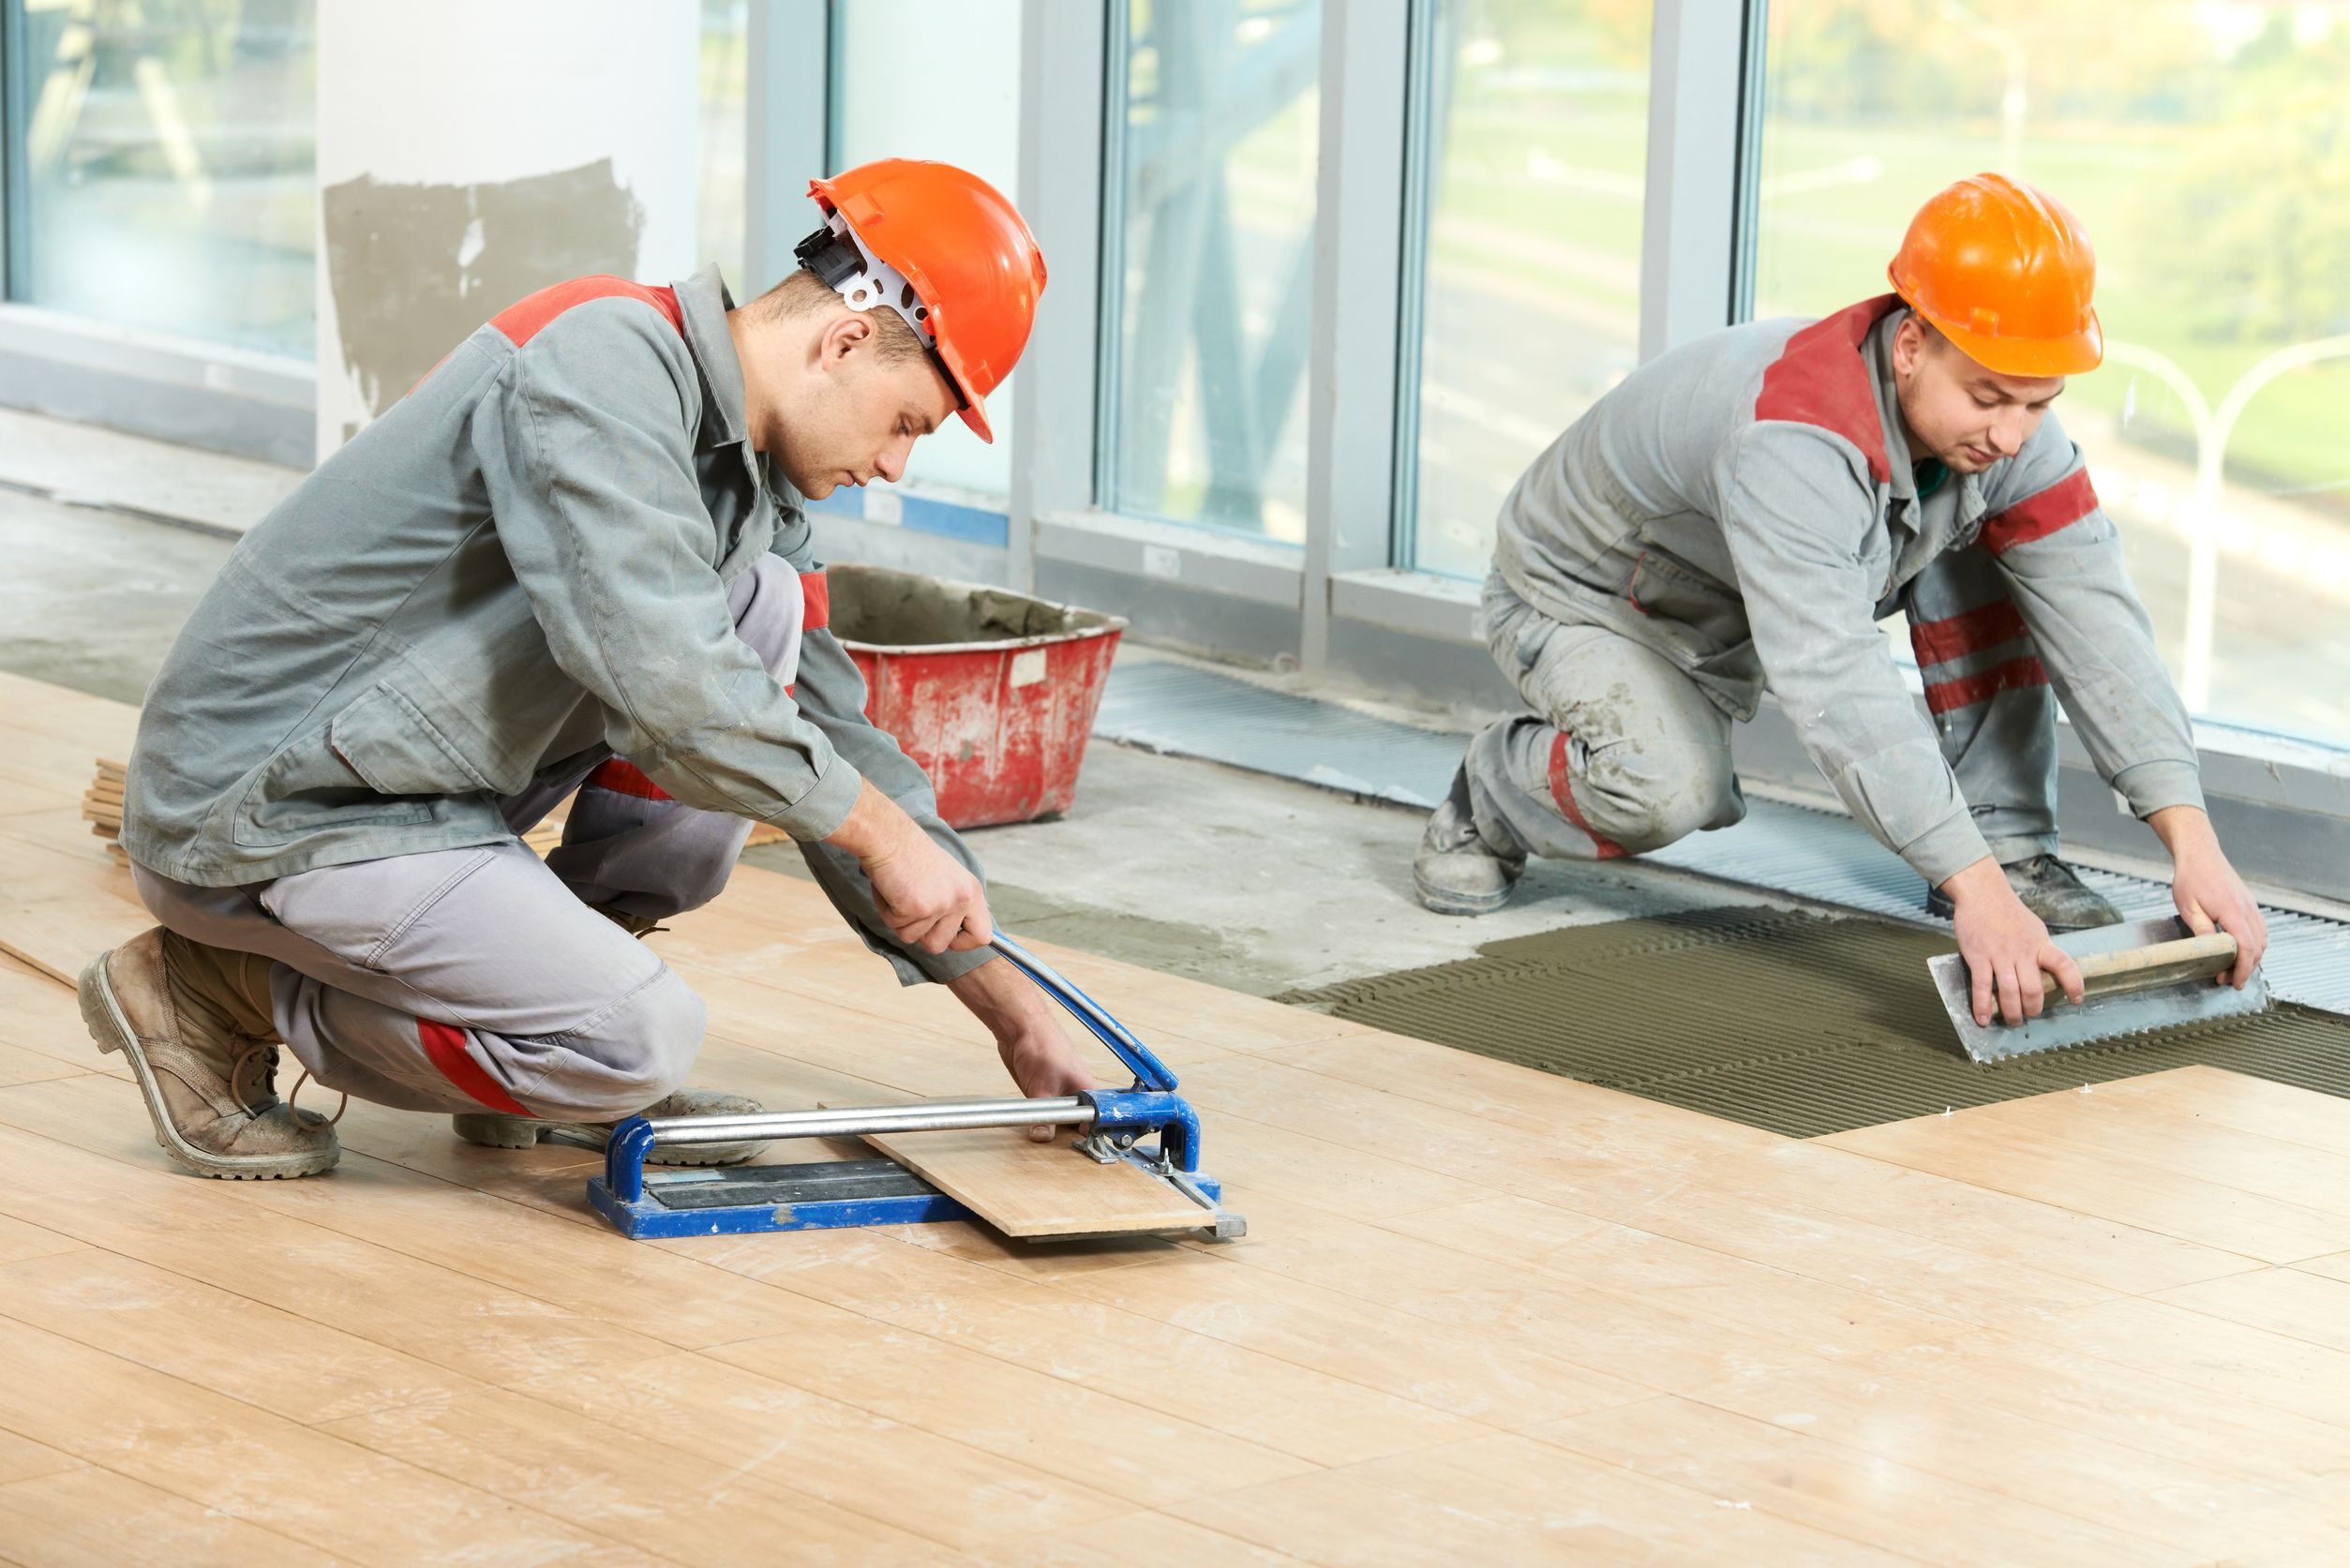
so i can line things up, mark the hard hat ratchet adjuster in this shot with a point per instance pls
(835, 254)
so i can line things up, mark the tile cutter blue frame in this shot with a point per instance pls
(828, 1194)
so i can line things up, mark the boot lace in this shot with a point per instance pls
(268, 1049)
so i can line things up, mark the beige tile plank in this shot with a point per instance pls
(1034, 1190)
(2134, 1131)
(92, 1516)
(1163, 1537)
(22, 1458)
(1838, 1318)
(38, 1015)
(2228, 1361)
(1339, 1335)
(770, 1433)
(21, 1240)
(1314, 1415)
(216, 1339)
(20, 1065)
(584, 1268)
(1860, 1496)
(2035, 1248)
(1131, 1448)
(1652, 1343)
(1890, 1406)
(2235, 1099)
(359, 1505)
(716, 1508)
(102, 1409)
(2098, 1183)
(2296, 1303)
(1508, 1500)
(1544, 1104)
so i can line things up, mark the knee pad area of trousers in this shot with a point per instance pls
(665, 1023)
(1646, 802)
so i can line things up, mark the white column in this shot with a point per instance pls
(1689, 221)
(469, 153)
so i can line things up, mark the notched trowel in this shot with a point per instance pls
(2137, 977)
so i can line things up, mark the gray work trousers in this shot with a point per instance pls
(1623, 752)
(484, 978)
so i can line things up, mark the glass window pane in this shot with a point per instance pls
(2200, 145)
(916, 78)
(719, 210)
(1536, 162)
(168, 158)
(1213, 207)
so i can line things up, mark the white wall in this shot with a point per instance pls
(462, 92)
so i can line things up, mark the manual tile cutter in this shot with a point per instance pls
(827, 1194)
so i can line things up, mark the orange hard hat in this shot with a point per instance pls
(945, 250)
(2005, 272)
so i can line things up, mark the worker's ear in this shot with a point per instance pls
(844, 334)
(1910, 347)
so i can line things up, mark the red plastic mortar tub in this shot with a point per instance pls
(992, 692)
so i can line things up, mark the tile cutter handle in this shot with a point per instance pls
(1149, 1071)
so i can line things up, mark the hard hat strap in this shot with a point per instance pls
(836, 254)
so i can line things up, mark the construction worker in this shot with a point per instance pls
(1742, 510)
(572, 556)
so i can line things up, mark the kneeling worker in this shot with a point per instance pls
(574, 556)
(1745, 508)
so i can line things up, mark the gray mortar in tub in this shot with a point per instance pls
(876, 608)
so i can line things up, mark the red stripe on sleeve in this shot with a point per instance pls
(623, 777)
(446, 1047)
(1968, 690)
(524, 319)
(2061, 505)
(816, 589)
(1939, 641)
(1564, 795)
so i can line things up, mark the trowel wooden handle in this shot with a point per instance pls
(2159, 963)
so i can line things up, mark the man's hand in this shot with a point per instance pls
(2206, 890)
(925, 896)
(2005, 946)
(1028, 1036)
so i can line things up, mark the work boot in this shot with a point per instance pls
(1455, 872)
(2050, 889)
(194, 1023)
(495, 1131)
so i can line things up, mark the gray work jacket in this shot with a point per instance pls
(1745, 505)
(519, 567)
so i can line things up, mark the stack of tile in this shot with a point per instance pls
(102, 807)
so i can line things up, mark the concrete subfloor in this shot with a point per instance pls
(1252, 883)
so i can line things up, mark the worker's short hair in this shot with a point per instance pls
(803, 293)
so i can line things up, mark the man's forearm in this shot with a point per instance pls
(874, 825)
(1002, 998)
(2185, 830)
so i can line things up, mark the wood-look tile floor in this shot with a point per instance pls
(1482, 1315)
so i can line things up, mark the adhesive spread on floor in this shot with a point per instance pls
(1797, 1023)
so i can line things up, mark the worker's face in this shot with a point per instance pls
(1967, 416)
(852, 417)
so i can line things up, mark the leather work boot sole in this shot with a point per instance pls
(2050, 889)
(1453, 873)
(492, 1130)
(193, 1024)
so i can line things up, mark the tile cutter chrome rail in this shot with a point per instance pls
(828, 1194)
